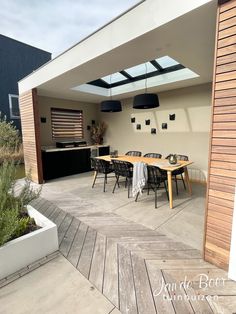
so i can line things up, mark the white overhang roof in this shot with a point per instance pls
(183, 30)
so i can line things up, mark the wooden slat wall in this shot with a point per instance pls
(31, 135)
(222, 157)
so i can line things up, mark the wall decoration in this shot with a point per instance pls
(164, 126)
(93, 122)
(138, 126)
(153, 131)
(147, 122)
(43, 120)
(132, 120)
(172, 117)
(88, 127)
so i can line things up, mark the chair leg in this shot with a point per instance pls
(118, 184)
(166, 190)
(128, 182)
(104, 183)
(136, 198)
(148, 189)
(117, 180)
(176, 184)
(94, 180)
(183, 181)
(155, 197)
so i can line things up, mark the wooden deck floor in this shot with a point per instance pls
(140, 270)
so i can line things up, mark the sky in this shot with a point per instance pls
(56, 25)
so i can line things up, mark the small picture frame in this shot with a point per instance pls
(93, 122)
(43, 119)
(133, 120)
(172, 117)
(138, 126)
(88, 127)
(153, 131)
(164, 126)
(147, 122)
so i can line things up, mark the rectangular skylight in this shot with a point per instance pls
(166, 62)
(141, 69)
(113, 78)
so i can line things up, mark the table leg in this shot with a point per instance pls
(186, 178)
(169, 176)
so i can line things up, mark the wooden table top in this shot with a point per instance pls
(159, 162)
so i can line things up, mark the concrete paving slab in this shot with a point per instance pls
(54, 288)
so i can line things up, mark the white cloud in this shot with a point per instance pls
(55, 25)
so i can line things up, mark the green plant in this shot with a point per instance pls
(8, 224)
(10, 142)
(14, 220)
(9, 135)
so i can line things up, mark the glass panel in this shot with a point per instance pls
(166, 62)
(141, 69)
(15, 112)
(113, 78)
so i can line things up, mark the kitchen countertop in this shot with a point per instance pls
(50, 149)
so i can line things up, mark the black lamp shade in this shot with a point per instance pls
(146, 101)
(111, 106)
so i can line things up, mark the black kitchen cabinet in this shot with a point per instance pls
(65, 163)
(61, 163)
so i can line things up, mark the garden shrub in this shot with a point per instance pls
(10, 142)
(14, 220)
(9, 135)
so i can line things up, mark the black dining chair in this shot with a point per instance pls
(153, 155)
(178, 172)
(101, 166)
(155, 178)
(134, 153)
(123, 169)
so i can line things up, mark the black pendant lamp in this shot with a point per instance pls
(146, 100)
(111, 105)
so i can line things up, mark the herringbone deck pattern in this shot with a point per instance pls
(138, 269)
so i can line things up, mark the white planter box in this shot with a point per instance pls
(29, 248)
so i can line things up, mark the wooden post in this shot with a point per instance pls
(222, 167)
(31, 135)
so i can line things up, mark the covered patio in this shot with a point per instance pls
(170, 53)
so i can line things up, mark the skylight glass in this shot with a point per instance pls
(166, 62)
(140, 69)
(114, 78)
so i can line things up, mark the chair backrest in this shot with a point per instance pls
(153, 155)
(99, 165)
(134, 153)
(122, 168)
(155, 175)
(180, 157)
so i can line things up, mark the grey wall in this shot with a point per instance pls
(90, 112)
(16, 61)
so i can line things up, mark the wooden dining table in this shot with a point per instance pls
(162, 164)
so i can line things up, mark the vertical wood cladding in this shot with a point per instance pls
(222, 157)
(31, 134)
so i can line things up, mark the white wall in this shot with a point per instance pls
(188, 134)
